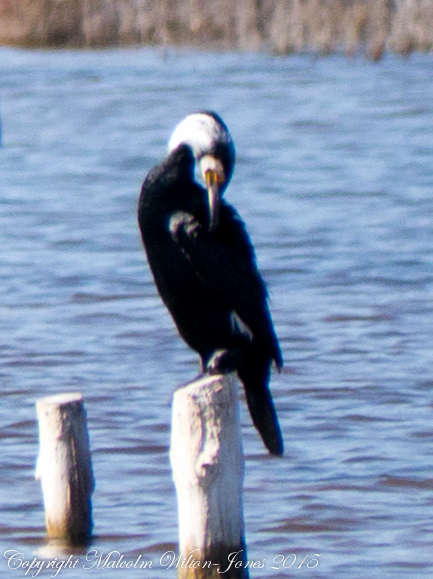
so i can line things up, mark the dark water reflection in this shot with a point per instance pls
(334, 179)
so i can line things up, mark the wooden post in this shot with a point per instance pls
(64, 467)
(207, 461)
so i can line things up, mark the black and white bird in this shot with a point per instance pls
(204, 264)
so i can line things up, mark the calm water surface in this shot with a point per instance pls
(334, 179)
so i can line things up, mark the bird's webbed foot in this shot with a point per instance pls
(223, 361)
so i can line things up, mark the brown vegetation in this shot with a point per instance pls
(281, 26)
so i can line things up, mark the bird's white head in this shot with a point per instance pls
(213, 148)
(206, 134)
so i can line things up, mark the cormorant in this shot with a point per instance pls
(204, 264)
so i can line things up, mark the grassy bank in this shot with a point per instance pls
(280, 26)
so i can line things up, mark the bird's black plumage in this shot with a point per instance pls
(208, 279)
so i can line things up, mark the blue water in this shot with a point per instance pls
(334, 179)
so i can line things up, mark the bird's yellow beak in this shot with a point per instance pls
(214, 177)
(212, 186)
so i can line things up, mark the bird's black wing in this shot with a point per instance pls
(225, 261)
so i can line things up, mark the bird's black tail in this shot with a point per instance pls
(255, 377)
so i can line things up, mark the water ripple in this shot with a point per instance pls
(334, 180)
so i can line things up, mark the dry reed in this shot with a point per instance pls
(280, 26)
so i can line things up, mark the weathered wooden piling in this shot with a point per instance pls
(64, 467)
(208, 467)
